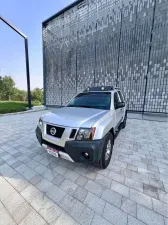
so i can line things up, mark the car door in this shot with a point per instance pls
(117, 111)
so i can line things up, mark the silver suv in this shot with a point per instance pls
(84, 130)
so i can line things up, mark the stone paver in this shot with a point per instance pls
(148, 216)
(98, 220)
(116, 176)
(134, 221)
(38, 201)
(7, 171)
(18, 182)
(29, 193)
(21, 212)
(160, 207)
(80, 193)
(120, 188)
(134, 184)
(33, 218)
(65, 219)
(94, 188)
(103, 180)
(44, 185)
(112, 197)
(71, 175)
(56, 194)
(163, 196)
(50, 212)
(114, 215)
(13, 202)
(6, 189)
(68, 203)
(58, 179)
(68, 186)
(141, 198)
(5, 218)
(166, 221)
(95, 203)
(129, 206)
(150, 190)
(37, 188)
(81, 181)
(1, 205)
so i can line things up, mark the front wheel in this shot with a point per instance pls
(107, 151)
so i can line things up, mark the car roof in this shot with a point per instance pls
(101, 89)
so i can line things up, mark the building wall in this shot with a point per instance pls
(106, 42)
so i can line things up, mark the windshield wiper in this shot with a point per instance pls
(84, 106)
(80, 106)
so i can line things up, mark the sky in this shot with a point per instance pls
(27, 16)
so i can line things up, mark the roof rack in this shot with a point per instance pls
(100, 88)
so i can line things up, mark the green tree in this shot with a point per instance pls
(7, 85)
(22, 95)
(19, 95)
(37, 95)
(0, 87)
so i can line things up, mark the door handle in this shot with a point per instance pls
(121, 109)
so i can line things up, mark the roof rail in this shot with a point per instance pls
(100, 88)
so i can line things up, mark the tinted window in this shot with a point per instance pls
(97, 100)
(121, 96)
(116, 99)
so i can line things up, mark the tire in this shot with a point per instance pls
(124, 123)
(106, 156)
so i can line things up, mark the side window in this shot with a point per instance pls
(116, 99)
(121, 96)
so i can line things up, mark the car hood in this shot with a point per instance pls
(74, 117)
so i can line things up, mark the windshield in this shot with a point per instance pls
(97, 100)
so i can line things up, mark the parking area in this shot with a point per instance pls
(37, 189)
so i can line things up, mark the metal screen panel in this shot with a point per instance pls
(107, 42)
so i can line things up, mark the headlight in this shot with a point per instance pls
(40, 122)
(86, 134)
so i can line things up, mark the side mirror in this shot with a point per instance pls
(120, 105)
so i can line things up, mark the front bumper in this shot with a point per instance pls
(76, 149)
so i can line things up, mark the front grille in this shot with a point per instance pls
(59, 131)
(72, 135)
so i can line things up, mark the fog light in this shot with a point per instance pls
(86, 155)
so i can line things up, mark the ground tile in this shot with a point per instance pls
(95, 203)
(33, 218)
(98, 220)
(112, 197)
(148, 216)
(114, 215)
(50, 211)
(5, 218)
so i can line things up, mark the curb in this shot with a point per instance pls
(24, 112)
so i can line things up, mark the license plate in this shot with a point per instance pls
(52, 151)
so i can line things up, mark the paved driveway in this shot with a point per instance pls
(36, 188)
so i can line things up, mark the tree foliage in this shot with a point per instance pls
(37, 95)
(19, 95)
(7, 85)
(8, 91)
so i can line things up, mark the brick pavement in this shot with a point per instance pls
(36, 188)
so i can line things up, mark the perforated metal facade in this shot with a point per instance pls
(102, 42)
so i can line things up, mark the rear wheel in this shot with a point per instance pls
(107, 151)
